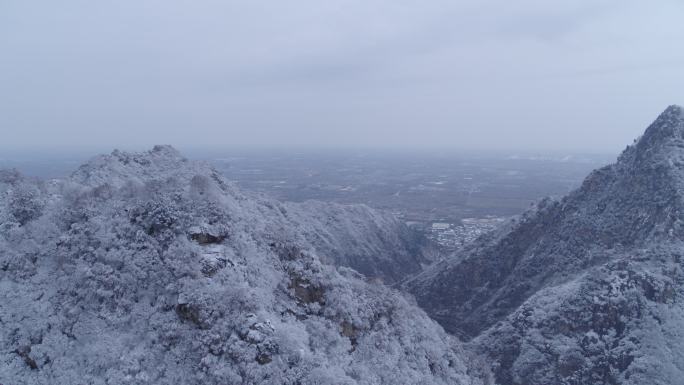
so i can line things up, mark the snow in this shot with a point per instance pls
(147, 268)
(586, 289)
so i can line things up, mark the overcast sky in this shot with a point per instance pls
(499, 74)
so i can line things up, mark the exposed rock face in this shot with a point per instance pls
(151, 269)
(586, 289)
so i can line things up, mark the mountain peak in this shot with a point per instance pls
(677, 108)
(161, 162)
(204, 285)
(659, 140)
(589, 267)
(668, 126)
(167, 150)
(159, 152)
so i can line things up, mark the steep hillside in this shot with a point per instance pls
(151, 269)
(374, 243)
(586, 289)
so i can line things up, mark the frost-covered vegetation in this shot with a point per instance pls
(150, 269)
(374, 243)
(588, 289)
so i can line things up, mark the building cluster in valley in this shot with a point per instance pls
(453, 236)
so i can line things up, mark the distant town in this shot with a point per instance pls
(453, 236)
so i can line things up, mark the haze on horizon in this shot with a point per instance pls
(494, 74)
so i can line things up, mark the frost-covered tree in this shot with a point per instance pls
(151, 269)
(587, 289)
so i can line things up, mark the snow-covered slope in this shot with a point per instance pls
(372, 242)
(588, 289)
(151, 269)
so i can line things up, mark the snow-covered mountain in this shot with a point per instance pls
(147, 268)
(588, 289)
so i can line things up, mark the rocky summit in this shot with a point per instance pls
(587, 289)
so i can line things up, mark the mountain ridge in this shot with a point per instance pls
(502, 292)
(150, 268)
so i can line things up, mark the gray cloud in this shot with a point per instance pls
(566, 75)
